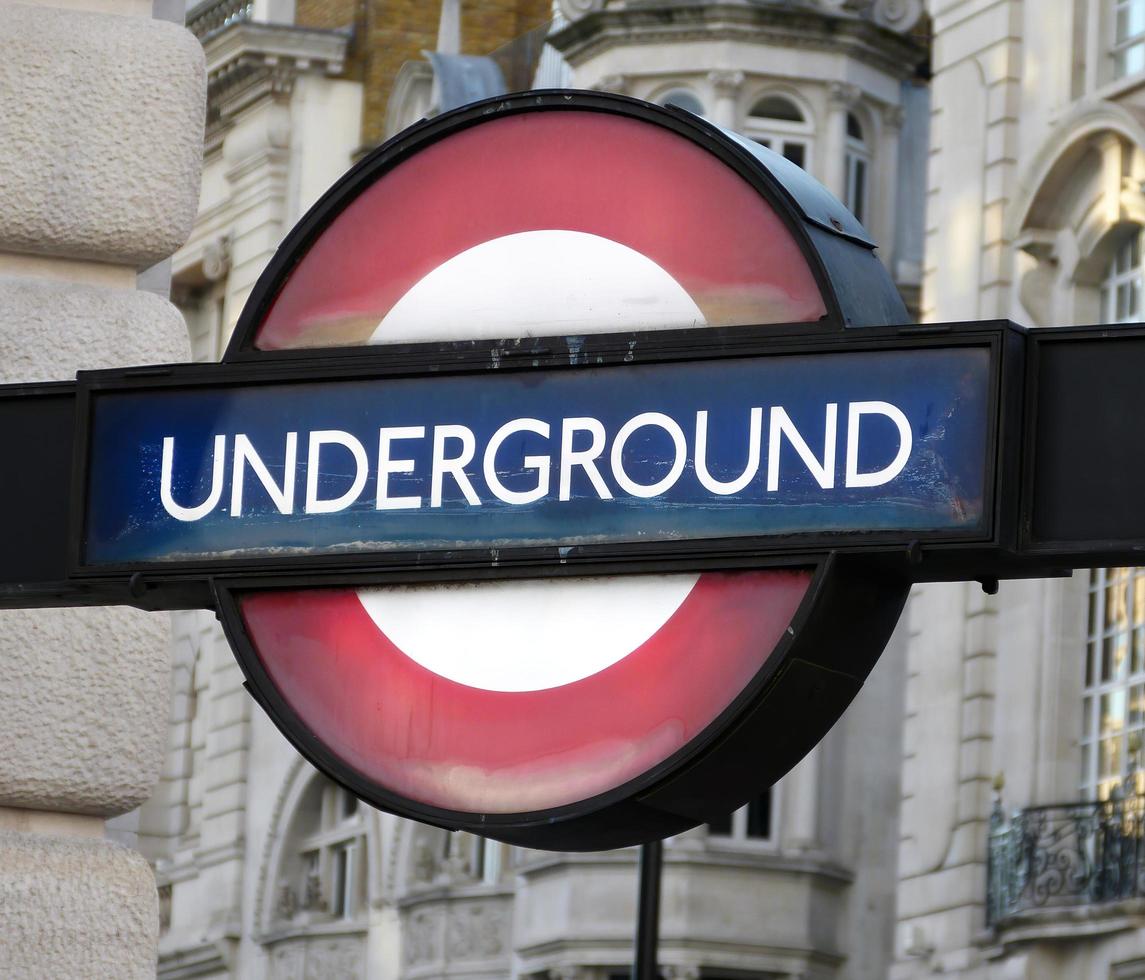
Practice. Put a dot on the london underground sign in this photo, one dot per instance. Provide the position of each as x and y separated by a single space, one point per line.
568 470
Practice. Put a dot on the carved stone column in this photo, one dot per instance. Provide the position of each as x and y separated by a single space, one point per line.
726 85
841 98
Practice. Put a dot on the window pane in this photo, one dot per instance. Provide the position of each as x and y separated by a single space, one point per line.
1113 712
759 816
339 882
1131 60
777 107
349 804
1115 602
860 208
854 127
796 153
684 99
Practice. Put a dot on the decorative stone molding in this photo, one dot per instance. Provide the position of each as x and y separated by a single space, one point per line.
249 61
726 82
893 116
613 83
572 9
568 972
844 95
476 930
267 897
217 258
421 942
681 972
854 33
897 15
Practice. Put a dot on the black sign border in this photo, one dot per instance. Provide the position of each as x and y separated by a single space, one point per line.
615 352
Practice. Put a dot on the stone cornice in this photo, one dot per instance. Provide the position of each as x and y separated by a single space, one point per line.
249 61
678 21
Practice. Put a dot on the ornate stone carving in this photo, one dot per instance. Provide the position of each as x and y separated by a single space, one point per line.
613 83
726 82
217 258
476 930
844 94
573 9
421 941
288 962
893 116
335 959
898 15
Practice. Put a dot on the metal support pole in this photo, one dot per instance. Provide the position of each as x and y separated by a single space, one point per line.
648 912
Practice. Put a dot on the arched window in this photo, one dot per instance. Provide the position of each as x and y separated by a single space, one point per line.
323 872
780 124
858 165
1121 289
683 98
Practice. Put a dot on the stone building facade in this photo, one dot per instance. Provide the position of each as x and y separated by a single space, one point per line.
100 150
994 148
1023 709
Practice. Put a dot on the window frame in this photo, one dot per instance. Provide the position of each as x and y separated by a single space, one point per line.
777 134
857 169
738 838
342 892
1120 47
1109 645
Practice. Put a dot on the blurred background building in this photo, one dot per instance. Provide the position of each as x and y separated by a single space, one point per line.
976 813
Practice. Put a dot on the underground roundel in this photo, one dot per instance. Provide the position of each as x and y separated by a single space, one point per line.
567 712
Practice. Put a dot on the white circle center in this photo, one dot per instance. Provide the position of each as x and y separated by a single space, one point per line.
532 635
529 635
539 283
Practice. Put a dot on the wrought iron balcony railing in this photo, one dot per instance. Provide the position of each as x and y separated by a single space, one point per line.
1065 855
211 16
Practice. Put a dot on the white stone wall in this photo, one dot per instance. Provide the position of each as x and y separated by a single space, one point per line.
1035 155
99 164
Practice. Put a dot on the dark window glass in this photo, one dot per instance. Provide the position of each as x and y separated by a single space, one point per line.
759 816
796 153
777 107
860 189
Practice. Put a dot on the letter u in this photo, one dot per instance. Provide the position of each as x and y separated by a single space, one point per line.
202 510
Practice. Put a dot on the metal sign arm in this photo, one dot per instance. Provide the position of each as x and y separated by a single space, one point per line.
1064 477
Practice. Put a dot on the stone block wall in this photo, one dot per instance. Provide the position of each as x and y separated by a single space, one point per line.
99 172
